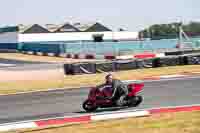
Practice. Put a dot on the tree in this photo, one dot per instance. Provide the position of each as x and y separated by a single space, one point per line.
158 31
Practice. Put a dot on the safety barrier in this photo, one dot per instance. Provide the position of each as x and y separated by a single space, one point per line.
93 56
8 46
119 65
54 51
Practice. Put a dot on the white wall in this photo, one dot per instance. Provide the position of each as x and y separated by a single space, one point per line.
9 37
75 36
124 35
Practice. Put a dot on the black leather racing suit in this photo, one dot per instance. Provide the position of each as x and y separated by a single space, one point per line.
119 91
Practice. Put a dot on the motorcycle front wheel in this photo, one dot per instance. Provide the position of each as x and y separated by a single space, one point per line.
88 106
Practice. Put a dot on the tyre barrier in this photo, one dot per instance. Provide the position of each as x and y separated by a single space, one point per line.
173 53
51 54
57 54
40 53
89 56
182 52
34 52
63 55
107 66
109 57
125 65
45 54
156 62
76 56
79 68
69 56
119 65
93 56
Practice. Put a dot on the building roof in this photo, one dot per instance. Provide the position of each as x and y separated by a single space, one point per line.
83 26
23 27
52 27
35 28
67 27
97 27
91 27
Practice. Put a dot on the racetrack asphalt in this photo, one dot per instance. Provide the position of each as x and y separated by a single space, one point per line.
58 103
17 65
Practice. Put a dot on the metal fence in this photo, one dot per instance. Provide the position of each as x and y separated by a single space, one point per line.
103 48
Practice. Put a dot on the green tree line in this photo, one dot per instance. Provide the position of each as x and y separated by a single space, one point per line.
167 31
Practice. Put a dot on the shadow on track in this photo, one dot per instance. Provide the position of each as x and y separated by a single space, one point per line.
106 110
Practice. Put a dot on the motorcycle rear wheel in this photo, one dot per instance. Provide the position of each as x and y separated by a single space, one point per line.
88 106
135 101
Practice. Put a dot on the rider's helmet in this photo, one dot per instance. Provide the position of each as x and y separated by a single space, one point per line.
109 78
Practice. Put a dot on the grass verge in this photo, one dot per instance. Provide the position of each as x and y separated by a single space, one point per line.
184 122
89 80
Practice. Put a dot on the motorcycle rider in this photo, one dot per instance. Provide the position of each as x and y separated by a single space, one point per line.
118 89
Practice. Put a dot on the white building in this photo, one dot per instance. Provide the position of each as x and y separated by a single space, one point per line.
10 37
76 36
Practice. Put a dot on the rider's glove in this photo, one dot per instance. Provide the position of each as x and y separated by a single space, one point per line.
108 98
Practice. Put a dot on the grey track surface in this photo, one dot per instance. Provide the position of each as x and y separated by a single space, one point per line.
17 65
60 103
17 62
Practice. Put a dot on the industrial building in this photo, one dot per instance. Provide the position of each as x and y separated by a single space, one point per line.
66 27
66 38
72 32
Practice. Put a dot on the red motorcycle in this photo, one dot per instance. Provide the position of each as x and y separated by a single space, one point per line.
97 99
